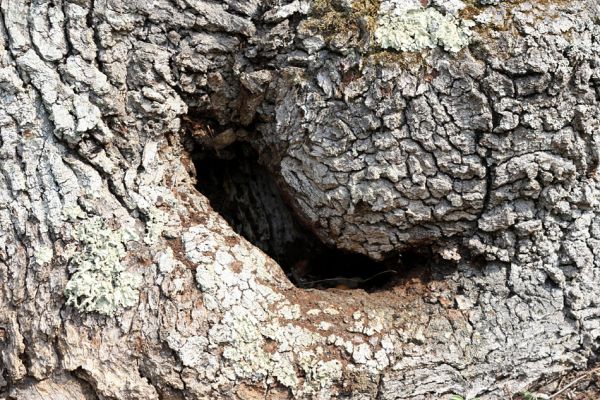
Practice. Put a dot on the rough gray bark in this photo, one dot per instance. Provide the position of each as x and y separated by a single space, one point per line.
488 155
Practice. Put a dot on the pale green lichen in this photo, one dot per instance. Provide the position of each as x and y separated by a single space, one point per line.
99 283
72 212
318 373
157 221
325 373
419 29
43 255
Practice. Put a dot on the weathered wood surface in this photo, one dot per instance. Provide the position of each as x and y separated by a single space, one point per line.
118 281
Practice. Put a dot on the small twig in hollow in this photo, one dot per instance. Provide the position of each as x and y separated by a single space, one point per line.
575 381
356 280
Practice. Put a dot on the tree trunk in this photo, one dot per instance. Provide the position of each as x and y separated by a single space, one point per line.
454 144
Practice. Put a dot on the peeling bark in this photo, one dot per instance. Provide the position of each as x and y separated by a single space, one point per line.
487 156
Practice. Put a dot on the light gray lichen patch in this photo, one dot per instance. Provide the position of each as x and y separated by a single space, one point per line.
407 26
44 254
157 221
99 282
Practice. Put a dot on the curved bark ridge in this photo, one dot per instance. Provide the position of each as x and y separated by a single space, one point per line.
488 152
379 158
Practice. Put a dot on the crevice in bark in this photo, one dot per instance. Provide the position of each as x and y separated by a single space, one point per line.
164 388
248 198
5 381
85 382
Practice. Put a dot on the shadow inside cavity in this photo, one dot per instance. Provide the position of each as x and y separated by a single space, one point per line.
246 195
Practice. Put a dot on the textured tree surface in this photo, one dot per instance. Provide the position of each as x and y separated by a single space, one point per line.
118 280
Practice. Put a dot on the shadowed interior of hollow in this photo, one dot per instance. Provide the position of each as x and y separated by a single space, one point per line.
246 195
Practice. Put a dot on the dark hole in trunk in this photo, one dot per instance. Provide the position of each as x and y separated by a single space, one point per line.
246 195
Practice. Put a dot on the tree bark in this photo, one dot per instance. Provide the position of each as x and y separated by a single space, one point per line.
118 280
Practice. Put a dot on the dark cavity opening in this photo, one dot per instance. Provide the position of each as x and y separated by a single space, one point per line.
247 196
